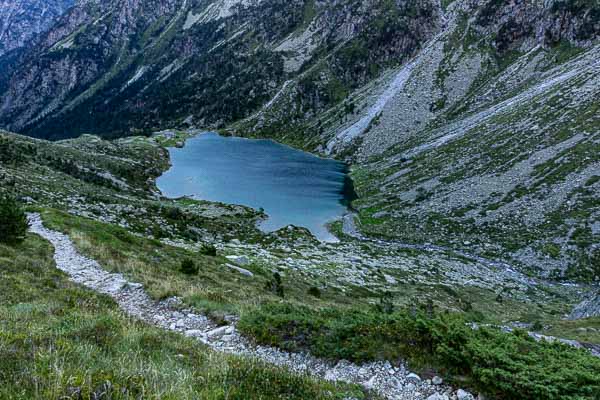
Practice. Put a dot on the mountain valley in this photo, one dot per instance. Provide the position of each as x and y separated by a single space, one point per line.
468 266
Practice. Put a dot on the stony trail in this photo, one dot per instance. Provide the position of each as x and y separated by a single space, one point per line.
390 382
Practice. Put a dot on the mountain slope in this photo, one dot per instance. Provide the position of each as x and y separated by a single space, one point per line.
516 178
22 21
114 66
473 133
471 125
486 141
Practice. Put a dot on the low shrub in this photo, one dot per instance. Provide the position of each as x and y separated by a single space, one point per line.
208 250
188 267
499 364
314 291
275 285
13 221
386 303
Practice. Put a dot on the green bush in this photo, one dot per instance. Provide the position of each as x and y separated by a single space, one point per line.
314 291
208 250
503 365
275 285
188 267
386 303
13 221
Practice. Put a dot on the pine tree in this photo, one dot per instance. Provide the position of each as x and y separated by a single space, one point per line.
13 221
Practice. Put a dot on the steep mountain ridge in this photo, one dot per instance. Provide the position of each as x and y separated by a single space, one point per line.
517 178
477 41
142 65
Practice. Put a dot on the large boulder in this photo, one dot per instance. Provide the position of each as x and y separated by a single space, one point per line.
588 308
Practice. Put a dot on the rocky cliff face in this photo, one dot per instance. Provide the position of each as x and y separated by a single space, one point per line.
22 21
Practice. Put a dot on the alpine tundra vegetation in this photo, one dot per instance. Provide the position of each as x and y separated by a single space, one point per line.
467 263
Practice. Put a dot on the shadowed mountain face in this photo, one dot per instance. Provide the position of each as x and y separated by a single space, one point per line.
22 21
120 67
116 68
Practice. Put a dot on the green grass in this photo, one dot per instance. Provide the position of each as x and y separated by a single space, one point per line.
215 288
502 365
61 341
218 290
179 137
585 330
565 51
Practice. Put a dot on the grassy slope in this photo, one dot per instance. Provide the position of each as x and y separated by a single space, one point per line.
156 265
217 289
324 326
58 340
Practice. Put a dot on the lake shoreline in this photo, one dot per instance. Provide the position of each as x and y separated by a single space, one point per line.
292 186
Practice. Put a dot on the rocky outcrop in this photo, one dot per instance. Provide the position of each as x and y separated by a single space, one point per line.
587 309
525 23
23 21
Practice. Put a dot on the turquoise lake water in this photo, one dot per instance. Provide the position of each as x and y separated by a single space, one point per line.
292 186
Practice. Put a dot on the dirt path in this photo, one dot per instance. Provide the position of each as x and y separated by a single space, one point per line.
390 382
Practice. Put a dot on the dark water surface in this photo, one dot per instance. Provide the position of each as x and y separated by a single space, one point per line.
293 187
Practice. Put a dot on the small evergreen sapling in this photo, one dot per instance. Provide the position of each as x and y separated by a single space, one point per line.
314 291
188 267
208 250
275 285
13 221
386 303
